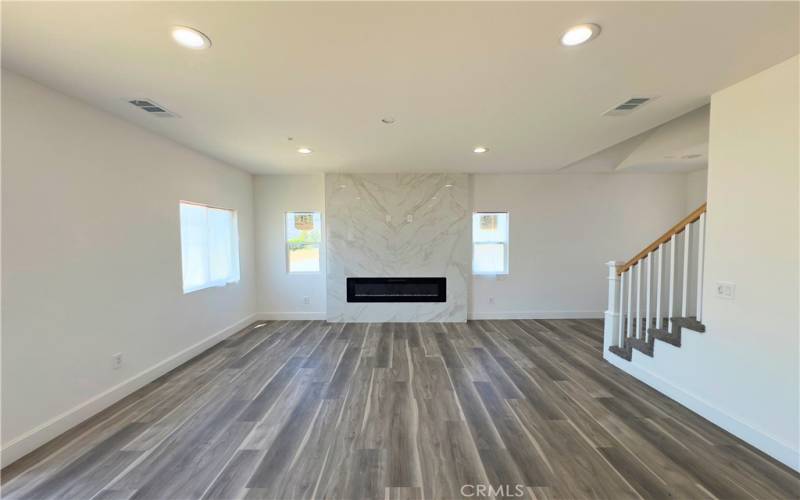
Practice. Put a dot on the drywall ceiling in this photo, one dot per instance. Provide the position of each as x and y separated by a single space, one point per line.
680 145
453 75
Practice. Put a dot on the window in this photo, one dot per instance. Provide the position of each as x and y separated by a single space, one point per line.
209 246
303 236
490 243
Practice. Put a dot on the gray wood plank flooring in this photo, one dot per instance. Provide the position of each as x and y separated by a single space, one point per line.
308 409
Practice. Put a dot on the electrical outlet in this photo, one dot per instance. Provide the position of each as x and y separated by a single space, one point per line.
726 290
388 218
116 361
409 218
306 300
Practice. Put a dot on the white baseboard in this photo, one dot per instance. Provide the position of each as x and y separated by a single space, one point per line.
294 315
22 445
536 315
282 316
769 445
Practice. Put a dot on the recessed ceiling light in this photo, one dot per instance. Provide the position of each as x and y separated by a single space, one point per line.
579 34
480 149
448 185
304 151
190 38
388 120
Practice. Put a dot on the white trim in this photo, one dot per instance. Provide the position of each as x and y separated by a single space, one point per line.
782 452
41 434
506 245
235 277
293 315
537 315
286 242
299 315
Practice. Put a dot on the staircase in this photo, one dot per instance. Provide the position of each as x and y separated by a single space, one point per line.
639 288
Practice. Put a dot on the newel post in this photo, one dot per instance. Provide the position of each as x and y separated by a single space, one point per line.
611 325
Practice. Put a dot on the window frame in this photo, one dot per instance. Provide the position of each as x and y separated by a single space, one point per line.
286 241
506 244
236 277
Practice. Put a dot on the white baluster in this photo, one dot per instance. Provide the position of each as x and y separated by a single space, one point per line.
647 302
660 255
701 237
639 299
672 249
685 288
629 329
621 336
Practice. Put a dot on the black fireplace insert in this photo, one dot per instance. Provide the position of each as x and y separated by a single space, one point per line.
396 289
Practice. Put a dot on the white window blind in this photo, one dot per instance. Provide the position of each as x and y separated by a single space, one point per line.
209 246
490 243
303 237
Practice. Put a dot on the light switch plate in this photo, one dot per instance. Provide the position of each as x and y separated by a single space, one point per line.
409 218
388 218
726 290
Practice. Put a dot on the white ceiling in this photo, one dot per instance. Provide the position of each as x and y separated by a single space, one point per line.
454 75
680 145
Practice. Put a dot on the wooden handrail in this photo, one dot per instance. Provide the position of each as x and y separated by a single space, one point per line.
676 229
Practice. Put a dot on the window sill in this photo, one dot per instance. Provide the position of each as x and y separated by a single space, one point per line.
497 276
211 285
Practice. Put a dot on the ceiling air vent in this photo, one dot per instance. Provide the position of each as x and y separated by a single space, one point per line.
150 106
628 106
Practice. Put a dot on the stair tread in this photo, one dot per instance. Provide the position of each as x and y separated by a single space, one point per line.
623 352
647 346
691 323
643 346
666 336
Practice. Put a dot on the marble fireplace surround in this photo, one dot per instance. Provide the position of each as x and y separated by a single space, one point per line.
397 225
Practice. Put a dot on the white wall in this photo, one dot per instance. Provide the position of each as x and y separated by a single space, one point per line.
743 373
91 260
696 189
563 228
280 294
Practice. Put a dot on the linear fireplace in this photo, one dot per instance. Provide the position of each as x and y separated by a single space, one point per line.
396 289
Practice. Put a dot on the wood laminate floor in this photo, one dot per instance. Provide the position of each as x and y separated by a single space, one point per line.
296 410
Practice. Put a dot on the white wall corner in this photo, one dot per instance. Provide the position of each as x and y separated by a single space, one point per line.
40 435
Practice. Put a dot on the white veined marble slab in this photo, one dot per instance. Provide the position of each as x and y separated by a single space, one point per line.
397 225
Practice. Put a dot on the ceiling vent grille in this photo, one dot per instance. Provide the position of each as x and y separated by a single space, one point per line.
153 108
628 106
